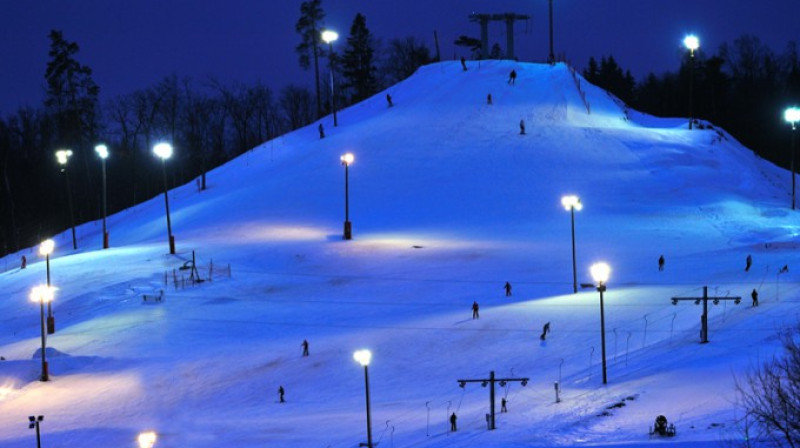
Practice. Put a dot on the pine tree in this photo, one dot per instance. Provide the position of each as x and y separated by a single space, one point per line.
358 61
71 93
309 26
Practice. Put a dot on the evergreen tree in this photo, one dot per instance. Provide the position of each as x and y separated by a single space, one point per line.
358 61
309 26
71 101
472 43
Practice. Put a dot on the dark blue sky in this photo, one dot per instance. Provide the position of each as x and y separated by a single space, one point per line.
133 44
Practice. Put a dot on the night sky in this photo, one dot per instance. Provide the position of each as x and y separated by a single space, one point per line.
134 44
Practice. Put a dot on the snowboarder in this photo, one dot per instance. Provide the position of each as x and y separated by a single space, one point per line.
321 131
754 295
463 63
389 100
489 99
512 77
508 289
24 263
545 330
521 127
503 403
475 310
453 422
661 263
280 394
305 347
748 263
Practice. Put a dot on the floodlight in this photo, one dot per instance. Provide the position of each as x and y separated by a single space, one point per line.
63 155
792 115
329 36
691 42
363 357
46 247
102 151
571 202
600 272
163 150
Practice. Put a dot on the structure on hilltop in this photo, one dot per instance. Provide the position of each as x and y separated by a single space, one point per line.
509 18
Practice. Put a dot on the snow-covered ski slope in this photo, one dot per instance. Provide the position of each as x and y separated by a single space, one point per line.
448 202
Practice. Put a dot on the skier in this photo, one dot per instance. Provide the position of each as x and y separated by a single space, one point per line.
545 330
754 295
475 310
489 99
453 422
512 77
784 269
24 263
508 289
463 63
503 402
389 100
661 263
305 347
748 263
521 127
321 131
280 394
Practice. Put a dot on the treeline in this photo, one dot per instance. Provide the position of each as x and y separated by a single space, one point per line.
207 122
744 87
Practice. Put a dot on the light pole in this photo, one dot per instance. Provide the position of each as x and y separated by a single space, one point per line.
164 151
33 422
573 203
552 58
347 159
42 294
329 36
63 155
792 115
363 357
46 248
102 151
692 43
600 273
147 439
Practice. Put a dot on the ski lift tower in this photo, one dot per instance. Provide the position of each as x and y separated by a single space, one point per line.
509 18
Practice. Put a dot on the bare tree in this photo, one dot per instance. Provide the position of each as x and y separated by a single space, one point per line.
295 102
770 396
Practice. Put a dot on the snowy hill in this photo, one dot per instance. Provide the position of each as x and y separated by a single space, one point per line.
448 202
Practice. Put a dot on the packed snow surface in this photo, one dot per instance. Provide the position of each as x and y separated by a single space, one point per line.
448 201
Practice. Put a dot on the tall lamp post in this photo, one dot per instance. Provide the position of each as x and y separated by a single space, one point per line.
42 294
573 203
102 151
692 43
363 357
33 422
46 248
329 36
600 273
552 58
164 151
63 155
792 115
347 159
